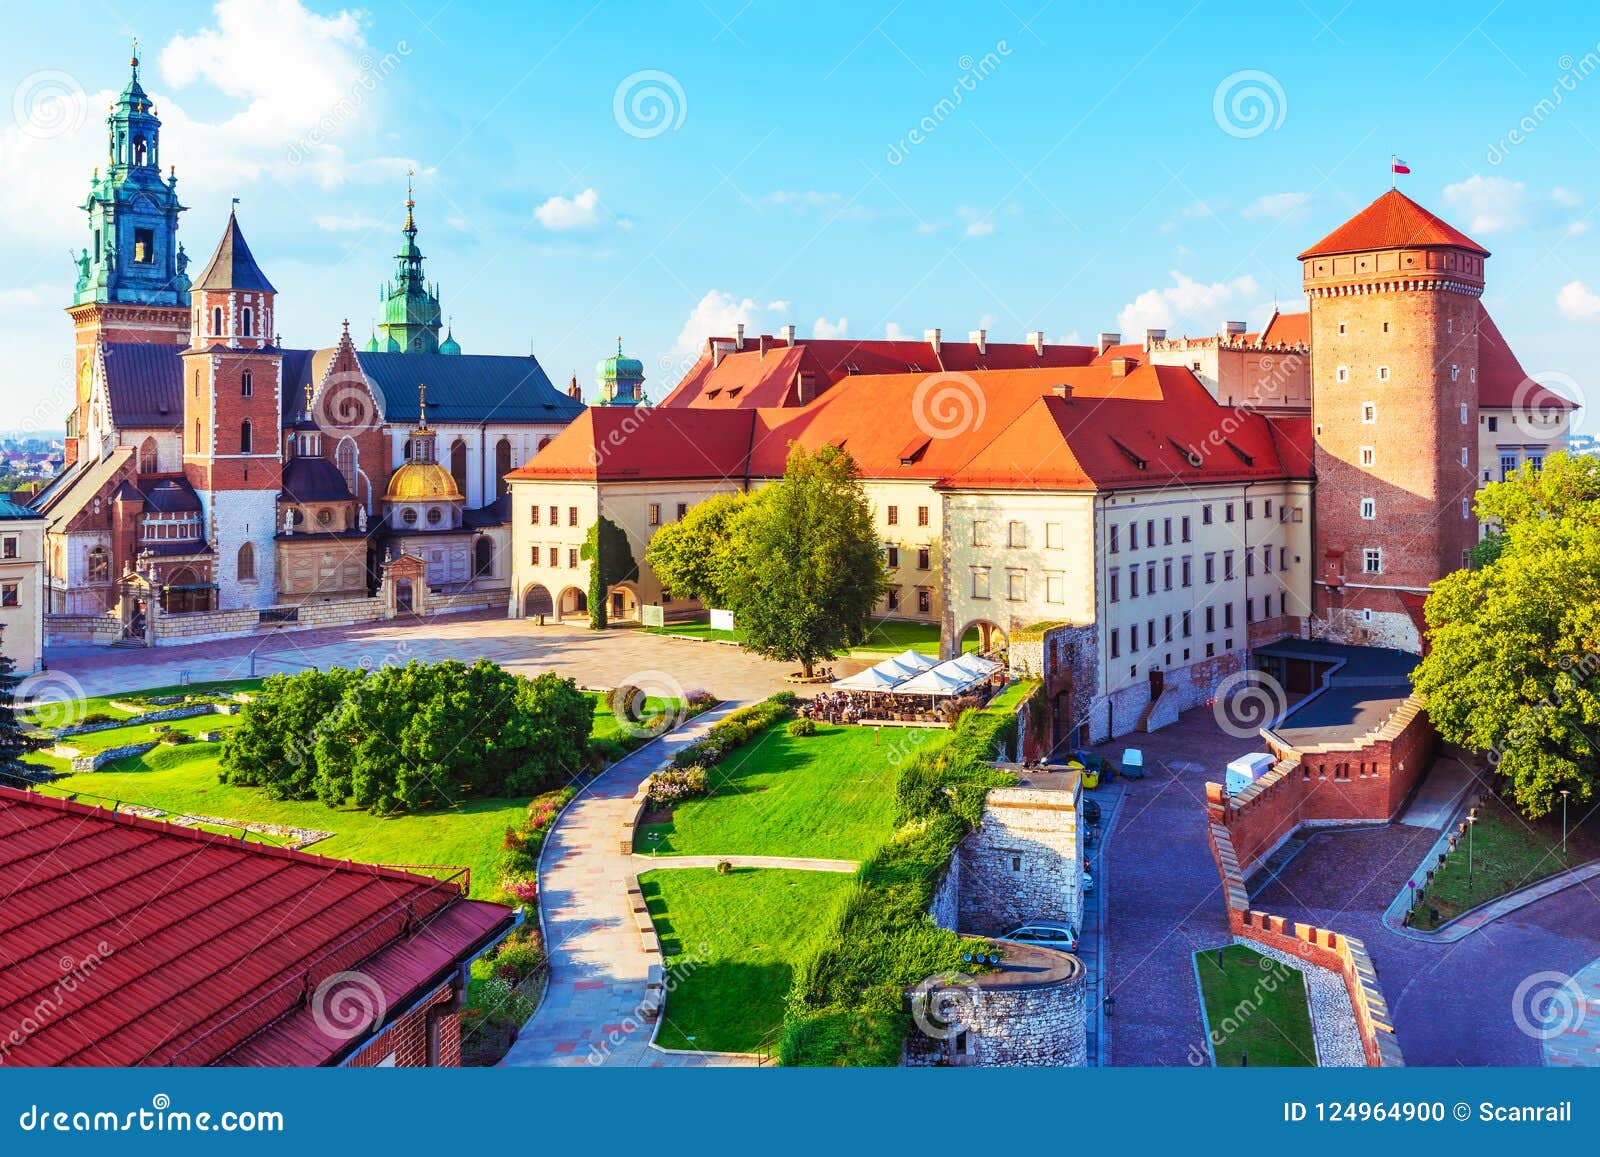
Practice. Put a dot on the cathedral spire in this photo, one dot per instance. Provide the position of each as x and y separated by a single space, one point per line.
411 311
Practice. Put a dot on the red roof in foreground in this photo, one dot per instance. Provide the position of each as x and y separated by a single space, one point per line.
1393 221
181 947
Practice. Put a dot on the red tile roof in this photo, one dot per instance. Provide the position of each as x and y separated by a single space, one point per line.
616 443
1393 221
1287 329
1502 383
190 948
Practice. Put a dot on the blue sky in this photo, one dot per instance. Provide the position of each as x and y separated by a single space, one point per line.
1094 174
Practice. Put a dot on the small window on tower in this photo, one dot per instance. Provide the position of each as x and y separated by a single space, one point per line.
216 319
247 321
245 384
144 246
245 438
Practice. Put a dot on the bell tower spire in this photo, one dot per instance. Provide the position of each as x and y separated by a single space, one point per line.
411 310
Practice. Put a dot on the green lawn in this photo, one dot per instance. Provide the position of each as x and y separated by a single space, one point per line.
1255 1006
887 636
730 944
826 796
1508 852
93 741
101 704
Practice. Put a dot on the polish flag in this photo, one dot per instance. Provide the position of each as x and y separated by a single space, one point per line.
1399 166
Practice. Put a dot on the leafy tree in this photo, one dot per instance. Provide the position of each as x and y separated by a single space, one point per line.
690 555
1514 664
606 548
15 741
804 567
274 746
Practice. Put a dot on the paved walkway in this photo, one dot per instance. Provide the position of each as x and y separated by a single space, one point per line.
1442 791
1573 1039
644 863
594 658
590 1011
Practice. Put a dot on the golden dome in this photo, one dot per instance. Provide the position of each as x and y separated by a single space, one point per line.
422 482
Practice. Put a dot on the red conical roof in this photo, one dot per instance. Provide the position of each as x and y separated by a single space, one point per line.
1393 221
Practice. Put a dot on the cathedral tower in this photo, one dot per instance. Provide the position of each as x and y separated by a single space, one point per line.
1394 362
232 418
411 313
132 275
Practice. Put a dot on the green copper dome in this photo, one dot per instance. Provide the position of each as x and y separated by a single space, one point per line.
621 379
449 345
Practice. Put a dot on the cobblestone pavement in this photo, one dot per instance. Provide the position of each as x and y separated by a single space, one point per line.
594 658
1577 1010
1453 1004
590 1012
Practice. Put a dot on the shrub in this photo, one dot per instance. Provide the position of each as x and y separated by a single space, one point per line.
784 698
520 959
724 867
698 698
175 738
802 727
673 785
605 749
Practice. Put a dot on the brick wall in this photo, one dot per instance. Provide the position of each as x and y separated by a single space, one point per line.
404 1044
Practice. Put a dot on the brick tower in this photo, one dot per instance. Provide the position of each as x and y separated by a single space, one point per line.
232 419
1394 363
132 276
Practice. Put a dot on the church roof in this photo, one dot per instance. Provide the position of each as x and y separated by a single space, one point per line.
145 384
313 480
467 388
232 265
1393 221
11 510
169 495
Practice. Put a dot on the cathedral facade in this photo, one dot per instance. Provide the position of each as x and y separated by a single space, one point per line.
214 468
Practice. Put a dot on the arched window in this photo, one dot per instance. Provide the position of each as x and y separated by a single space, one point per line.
247 321
543 442
245 438
246 382
502 466
458 465
246 568
99 565
197 435
483 557
346 460
216 319
197 383
149 459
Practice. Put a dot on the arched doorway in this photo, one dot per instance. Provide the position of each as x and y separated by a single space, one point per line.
483 557
574 603
403 596
536 602
982 637
623 603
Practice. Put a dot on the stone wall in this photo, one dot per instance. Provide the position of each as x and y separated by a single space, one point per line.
1023 862
203 626
1044 1026
946 906
94 762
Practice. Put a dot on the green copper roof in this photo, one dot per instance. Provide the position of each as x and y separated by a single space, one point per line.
411 313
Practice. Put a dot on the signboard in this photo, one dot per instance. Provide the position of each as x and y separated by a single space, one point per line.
652 615
722 620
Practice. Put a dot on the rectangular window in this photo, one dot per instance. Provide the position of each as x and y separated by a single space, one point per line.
572 516
1227 512
1114 587
894 516
1266 559
572 557
8 546
1249 510
683 508
655 514
1133 536
1343 373
980 533
924 602
1249 564
1166 574
1188 571
1227 565
1508 465
1114 531
1372 560
893 600
144 246
1016 586
1053 537
1205 515
1150 532
1116 644
534 553
555 516
1055 588
1494 424
1211 568
980 582
1368 455
534 520
1369 508
1227 615
922 558
1249 610
1133 583
1016 535
1166 629
1383 373
1133 637
892 557
1187 632
1464 421
1211 619
1464 461
1150 578
1466 508
922 516
246 384
1185 529
1166 532
8 595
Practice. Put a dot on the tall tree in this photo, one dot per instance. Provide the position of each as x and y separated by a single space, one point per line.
689 556
15 740
805 567
1513 668
611 562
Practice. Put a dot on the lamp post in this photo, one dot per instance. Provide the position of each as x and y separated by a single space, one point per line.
1564 793
1472 822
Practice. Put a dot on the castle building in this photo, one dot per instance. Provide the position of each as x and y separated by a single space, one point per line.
213 469
1174 502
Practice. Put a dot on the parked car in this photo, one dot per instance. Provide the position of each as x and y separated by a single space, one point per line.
1045 933
1088 883
1091 811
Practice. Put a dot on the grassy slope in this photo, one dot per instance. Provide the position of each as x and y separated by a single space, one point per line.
731 941
827 796
1274 1027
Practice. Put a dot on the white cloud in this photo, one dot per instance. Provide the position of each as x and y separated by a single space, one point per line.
1576 300
1185 300
1566 198
824 329
803 199
580 212
893 332
1487 204
1278 206
353 223
1579 228
716 314
981 224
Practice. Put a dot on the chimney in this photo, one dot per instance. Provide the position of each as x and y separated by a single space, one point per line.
1233 328
1107 340
1151 336
931 336
788 335
763 345
1036 340
1064 390
717 350
1121 366
738 336
980 338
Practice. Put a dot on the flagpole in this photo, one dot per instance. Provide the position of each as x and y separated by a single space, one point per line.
1394 173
